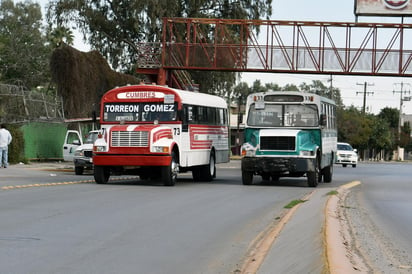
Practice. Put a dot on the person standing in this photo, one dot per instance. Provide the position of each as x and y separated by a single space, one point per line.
5 140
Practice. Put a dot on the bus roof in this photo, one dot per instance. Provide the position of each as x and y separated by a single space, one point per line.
184 97
323 99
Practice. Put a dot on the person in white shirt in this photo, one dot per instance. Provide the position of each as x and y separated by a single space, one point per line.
5 140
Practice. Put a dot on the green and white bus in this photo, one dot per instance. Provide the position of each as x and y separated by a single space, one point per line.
289 134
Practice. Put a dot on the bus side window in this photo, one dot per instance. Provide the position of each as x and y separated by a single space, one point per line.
212 116
221 115
187 117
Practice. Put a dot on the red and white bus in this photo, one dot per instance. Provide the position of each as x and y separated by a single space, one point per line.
156 132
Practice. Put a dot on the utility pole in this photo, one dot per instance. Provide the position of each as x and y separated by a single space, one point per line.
331 87
365 85
401 100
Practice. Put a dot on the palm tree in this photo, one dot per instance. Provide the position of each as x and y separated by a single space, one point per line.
61 35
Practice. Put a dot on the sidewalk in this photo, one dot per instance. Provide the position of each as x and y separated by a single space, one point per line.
14 170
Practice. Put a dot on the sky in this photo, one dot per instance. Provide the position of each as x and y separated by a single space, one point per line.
351 87
380 89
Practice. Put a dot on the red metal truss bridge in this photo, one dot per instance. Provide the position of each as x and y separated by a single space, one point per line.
337 48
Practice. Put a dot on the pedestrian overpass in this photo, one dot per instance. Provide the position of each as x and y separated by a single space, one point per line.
339 48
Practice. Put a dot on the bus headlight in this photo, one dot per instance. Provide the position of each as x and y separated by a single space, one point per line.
160 149
99 148
306 153
248 150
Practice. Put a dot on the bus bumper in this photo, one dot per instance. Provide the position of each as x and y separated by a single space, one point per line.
260 165
132 160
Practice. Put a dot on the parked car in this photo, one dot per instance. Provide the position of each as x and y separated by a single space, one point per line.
83 154
346 155
74 149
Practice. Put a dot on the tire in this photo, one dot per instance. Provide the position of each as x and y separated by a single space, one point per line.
78 170
313 176
197 174
266 177
101 174
353 166
210 169
144 177
344 165
247 177
327 174
275 178
206 173
169 173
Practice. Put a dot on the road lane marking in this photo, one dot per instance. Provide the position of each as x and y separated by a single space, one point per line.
11 187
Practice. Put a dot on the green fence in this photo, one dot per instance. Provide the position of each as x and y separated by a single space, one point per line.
43 140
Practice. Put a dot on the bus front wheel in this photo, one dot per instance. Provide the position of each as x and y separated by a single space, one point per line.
169 173
247 177
101 174
314 176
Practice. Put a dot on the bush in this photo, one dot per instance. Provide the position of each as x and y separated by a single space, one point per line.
16 148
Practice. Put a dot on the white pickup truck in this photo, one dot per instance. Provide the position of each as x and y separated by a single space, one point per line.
74 149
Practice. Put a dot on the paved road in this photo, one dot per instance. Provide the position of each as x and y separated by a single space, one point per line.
127 225
133 226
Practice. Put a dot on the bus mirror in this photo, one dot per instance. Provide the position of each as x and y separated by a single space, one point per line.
323 119
94 116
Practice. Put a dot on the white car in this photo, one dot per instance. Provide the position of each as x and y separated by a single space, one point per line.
346 155
83 154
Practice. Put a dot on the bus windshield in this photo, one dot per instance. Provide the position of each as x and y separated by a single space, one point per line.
283 115
139 112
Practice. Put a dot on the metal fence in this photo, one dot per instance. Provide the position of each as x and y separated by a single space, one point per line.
19 105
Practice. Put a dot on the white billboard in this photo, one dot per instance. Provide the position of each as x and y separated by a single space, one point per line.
383 7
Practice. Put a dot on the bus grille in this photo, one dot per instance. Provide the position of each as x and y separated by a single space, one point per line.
130 138
277 143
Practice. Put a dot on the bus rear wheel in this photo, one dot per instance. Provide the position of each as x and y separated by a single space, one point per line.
207 172
328 173
101 174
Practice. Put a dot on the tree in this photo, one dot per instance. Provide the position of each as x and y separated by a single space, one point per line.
257 87
61 35
82 78
24 53
115 27
290 87
273 86
240 93
381 138
391 116
319 88
353 127
405 139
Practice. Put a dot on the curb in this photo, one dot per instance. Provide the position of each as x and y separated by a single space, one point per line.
337 259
